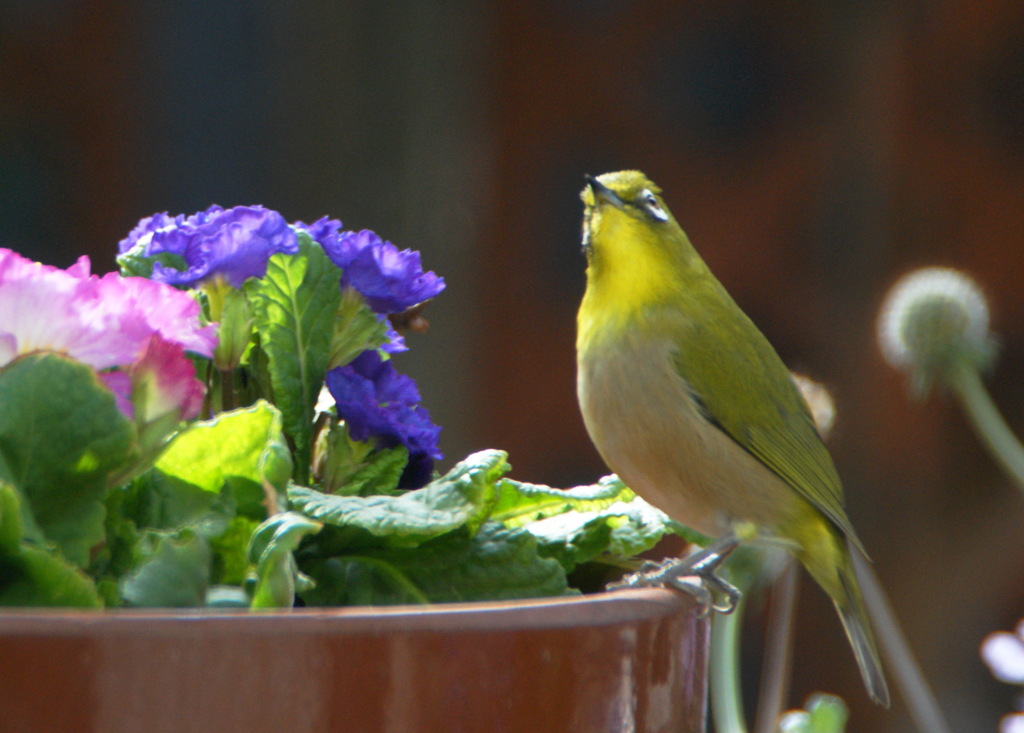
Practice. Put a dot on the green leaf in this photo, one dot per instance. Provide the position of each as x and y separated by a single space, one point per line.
156 500
32 576
379 473
175 574
117 555
637 527
579 524
36 577
823 714
62 439
828 713
495 563
231 551
576 541
294 307
357 468
521 503
234 326
281 533
461 498
11 528
227 451
275 464
195 511
270 550
135 263
622 530
356 329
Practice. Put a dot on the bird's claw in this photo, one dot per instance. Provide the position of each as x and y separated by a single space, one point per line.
695 574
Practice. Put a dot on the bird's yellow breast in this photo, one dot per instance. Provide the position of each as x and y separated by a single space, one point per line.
626 274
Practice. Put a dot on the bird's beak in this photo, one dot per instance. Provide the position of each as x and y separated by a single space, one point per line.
603 193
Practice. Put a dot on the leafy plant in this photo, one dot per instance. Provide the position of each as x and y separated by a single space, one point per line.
222 424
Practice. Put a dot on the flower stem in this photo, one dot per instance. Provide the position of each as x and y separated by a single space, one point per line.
225 380
726 690
920 700
778 653
988 423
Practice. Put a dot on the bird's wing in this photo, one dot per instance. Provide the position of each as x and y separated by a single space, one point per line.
762 410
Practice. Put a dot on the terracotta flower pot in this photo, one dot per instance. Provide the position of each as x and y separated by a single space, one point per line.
624 661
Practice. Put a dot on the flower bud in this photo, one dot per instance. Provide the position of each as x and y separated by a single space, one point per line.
934 322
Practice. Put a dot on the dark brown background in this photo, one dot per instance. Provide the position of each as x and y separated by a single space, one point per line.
813 150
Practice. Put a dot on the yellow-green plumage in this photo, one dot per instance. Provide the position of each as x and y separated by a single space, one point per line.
691 406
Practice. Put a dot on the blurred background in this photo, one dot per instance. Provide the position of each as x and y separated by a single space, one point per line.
814 151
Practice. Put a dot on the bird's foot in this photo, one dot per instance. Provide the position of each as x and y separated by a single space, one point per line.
695 574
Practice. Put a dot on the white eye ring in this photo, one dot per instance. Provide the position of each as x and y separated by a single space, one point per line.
650 202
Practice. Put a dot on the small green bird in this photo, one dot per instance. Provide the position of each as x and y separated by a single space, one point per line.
690 405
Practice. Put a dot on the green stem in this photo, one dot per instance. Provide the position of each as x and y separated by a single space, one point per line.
726 690
920 700
211 401
989 424
778 655
227 386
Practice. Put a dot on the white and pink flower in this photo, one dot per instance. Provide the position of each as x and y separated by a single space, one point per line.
133 325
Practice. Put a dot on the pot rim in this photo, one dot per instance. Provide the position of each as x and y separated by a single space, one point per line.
597 609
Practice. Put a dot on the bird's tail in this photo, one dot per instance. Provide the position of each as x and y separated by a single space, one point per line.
854 615
831 565
825 552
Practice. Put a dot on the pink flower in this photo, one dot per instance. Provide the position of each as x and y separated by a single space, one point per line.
163 382
133 325
104 322
121 385
149 307
46 308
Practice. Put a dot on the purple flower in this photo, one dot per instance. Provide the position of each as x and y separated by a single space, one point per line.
323 231
396 342
390 279
234 244
375 401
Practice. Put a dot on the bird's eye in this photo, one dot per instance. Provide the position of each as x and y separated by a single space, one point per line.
650 203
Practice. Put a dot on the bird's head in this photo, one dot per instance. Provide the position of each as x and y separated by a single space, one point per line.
622 205
636 251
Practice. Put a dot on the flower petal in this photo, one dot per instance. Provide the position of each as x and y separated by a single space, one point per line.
104 322
234 244
1003 652
377 402
164 381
